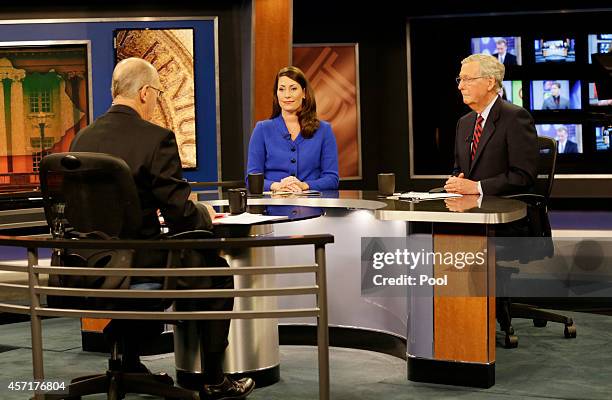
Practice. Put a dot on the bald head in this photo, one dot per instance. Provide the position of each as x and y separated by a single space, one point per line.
130 75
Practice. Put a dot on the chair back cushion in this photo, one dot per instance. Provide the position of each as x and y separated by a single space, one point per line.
546 166
90 192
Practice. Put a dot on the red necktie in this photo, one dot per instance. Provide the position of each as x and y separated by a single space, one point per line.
477 133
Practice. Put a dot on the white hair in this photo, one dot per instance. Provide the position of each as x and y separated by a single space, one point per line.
489 66
130 75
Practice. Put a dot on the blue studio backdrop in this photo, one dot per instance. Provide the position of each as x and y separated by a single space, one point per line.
100 34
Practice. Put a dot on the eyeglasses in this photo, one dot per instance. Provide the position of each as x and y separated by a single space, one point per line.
159 91
467 80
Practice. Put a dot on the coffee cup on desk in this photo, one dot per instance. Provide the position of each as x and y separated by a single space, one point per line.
256 183
386 184
237 199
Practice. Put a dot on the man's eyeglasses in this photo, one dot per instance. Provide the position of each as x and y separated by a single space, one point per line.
460 79
159 91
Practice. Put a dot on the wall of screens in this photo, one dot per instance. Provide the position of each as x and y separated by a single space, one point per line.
549 71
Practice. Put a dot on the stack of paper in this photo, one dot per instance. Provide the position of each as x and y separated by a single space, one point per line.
246 219
427 195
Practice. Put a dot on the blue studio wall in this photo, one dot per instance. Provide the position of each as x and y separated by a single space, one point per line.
100 33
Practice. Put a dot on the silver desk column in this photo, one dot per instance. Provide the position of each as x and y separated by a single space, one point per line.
253 343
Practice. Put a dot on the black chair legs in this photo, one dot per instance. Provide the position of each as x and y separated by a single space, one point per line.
117 384
541 317
504 317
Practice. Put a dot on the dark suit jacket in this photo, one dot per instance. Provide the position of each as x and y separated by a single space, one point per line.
509 59
152 155
507 156
549 104
570 147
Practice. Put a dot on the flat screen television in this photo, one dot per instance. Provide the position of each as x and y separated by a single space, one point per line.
568 136
555 95
506 48
512 91
594 97
602 137
554 50
603 80
599 43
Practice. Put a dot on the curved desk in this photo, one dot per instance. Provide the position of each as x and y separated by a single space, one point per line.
450 339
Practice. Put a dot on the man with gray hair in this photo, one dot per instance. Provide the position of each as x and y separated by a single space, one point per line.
496 146
151 152
502 55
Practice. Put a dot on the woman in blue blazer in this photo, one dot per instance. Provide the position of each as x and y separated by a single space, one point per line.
294 149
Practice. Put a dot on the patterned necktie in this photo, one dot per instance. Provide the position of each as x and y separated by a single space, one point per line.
477 133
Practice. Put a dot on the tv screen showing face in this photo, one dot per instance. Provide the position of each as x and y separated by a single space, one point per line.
512 91
568 136
594 98
558 50
602 137
600 43
507 49
555 95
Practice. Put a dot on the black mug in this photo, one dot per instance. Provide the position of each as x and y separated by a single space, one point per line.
386 184
256 183
237 200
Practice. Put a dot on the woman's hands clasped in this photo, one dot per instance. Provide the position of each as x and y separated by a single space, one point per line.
289 184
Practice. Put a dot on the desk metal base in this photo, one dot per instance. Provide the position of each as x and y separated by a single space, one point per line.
451 372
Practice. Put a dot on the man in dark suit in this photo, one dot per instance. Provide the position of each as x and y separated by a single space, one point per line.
502 55
555 101
496 146
496 153
151 152
564 145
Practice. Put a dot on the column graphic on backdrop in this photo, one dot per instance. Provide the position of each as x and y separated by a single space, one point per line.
43 103
333 72
171 52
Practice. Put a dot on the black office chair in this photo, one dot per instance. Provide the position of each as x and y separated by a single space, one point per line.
539 226
93 195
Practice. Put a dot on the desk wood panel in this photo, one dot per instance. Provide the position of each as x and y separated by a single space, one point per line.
464 324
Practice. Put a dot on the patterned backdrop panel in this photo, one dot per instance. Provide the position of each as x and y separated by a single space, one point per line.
171 52
333 73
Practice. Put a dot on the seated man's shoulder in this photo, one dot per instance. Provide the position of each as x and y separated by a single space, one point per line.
153 129
513 109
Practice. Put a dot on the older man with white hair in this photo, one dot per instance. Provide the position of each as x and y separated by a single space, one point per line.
151 152
496 146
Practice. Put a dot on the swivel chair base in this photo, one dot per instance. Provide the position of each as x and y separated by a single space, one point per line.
507 310
541 317
117 383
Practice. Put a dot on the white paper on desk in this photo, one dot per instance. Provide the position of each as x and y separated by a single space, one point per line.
288 193
247 219
427 195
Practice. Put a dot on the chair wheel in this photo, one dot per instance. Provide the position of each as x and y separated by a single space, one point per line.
511 342
569 331
539 323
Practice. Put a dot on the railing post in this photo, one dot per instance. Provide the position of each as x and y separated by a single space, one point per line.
35 321
322 324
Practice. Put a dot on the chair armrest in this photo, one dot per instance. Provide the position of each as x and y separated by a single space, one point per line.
529 198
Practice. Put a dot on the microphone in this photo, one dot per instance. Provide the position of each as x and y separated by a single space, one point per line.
470 138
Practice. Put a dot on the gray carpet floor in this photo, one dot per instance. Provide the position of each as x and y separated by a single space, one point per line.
544 366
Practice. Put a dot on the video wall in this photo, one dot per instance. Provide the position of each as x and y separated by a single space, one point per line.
550 71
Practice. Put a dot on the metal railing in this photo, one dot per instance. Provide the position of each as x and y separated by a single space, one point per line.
37 309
